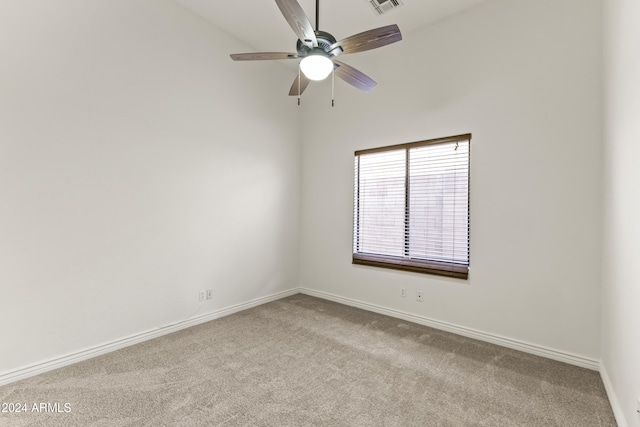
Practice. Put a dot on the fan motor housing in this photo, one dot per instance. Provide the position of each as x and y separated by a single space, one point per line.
325 40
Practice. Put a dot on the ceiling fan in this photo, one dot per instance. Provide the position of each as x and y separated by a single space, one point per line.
318 50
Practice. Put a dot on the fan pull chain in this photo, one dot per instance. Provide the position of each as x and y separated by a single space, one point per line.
298 85
333 86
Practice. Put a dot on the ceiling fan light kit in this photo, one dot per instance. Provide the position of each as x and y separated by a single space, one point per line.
317 50
316 66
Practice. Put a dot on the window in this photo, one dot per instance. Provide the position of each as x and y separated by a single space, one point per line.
411 206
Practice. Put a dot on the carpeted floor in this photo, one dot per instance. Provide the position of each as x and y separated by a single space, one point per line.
302 361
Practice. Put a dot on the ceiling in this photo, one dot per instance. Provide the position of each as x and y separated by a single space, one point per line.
259 23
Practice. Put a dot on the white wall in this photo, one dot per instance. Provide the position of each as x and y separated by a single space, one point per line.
621 285
138 165
524 77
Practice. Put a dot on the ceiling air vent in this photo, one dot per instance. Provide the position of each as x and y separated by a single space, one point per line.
381 7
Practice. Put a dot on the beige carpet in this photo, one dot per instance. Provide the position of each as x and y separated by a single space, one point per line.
302 361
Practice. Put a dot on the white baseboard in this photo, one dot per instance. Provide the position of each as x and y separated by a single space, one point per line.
549 353
49 365
35 369
613 398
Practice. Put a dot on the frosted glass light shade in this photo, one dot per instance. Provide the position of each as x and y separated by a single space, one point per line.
316 67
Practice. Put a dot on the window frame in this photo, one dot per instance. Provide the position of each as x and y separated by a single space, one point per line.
435 267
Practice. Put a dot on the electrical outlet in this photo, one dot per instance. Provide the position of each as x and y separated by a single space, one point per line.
209 293
201 296
419 296
403 292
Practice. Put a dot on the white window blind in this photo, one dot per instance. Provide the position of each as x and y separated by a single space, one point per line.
411 206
